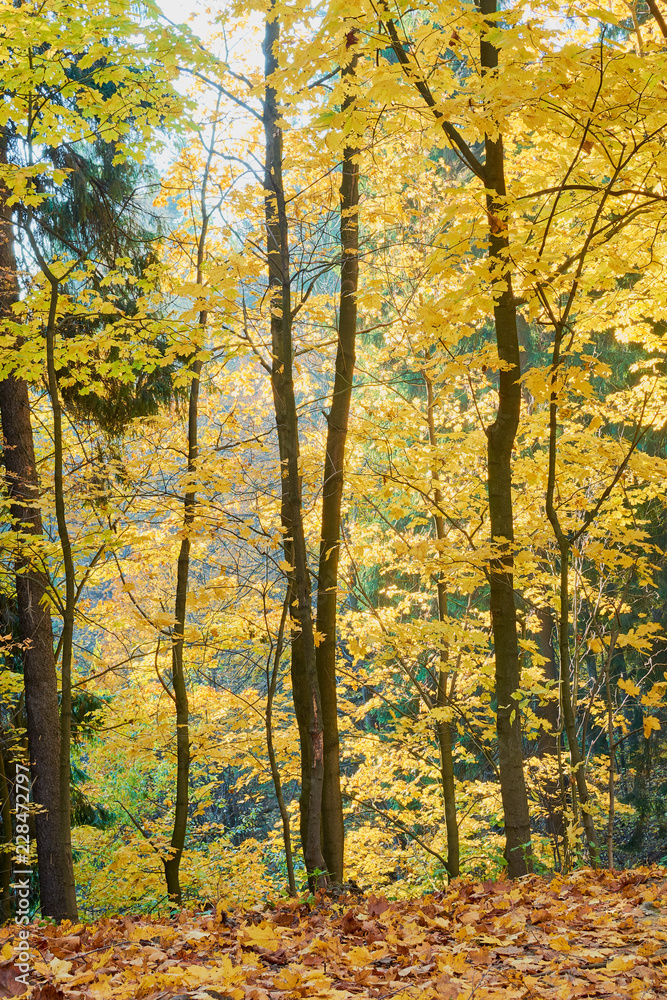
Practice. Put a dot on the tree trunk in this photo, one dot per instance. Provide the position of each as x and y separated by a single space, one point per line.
548 740
333 834
180 696
307 701
612 765
180 691
67 638
658 15
271 682
577 763
501 435
443 727
39 669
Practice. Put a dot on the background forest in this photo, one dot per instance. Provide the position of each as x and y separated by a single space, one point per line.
333 402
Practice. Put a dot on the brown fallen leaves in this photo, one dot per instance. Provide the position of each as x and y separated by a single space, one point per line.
585 935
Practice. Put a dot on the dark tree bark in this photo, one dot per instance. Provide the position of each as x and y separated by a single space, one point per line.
548 739
658 15
39 668
333 833
549 712
179 686
306 689
70 603
500 436
272 669
577 762
443 696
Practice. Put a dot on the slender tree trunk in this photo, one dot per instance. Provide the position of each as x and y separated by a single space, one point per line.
501 435
67 638
443 699
302 706
172 864
307 700
333 834
444 727
612 748
179 686
569 720
576 760
272 680
548 740
658 15
39 669
180 691
549 712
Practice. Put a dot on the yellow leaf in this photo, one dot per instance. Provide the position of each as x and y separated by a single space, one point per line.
263 934
60 968
103 959
289 979
629 686
655 695
621 963
602 15
650 722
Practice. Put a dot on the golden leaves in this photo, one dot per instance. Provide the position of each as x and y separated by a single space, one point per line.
629 686
568 936
650 724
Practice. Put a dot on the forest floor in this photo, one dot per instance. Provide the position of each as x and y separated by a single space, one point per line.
590 934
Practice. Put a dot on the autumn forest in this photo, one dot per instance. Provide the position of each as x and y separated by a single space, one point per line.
333 395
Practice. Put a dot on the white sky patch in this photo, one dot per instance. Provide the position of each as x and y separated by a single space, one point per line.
189 12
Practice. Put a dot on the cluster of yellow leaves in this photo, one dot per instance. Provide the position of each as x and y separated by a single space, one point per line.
654 698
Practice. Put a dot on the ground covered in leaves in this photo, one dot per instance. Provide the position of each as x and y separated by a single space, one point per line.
584 935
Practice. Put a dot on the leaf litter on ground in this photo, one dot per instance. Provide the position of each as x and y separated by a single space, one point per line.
588 934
